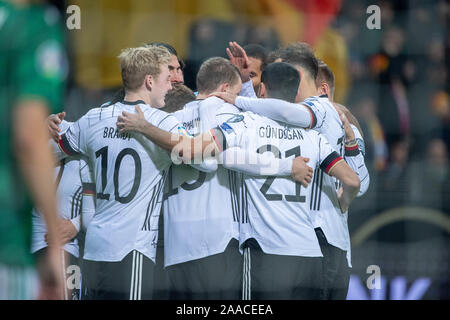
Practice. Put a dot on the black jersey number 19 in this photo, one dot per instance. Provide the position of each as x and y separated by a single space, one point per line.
103 154
266 186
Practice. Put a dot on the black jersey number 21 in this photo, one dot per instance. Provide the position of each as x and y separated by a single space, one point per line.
266 186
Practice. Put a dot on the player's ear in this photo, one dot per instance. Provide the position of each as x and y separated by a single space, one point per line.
224 87
148 82
262 90
324 88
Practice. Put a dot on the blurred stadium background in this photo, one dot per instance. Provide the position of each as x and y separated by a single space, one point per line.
395 80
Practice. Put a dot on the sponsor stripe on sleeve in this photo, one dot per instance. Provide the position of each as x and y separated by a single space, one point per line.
65 146
330 161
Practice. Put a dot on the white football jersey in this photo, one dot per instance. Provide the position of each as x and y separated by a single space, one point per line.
129 173
201 211
69 192
325 119
277 212
324 202
69 195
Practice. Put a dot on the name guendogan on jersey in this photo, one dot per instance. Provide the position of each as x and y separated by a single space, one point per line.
277 133
113 133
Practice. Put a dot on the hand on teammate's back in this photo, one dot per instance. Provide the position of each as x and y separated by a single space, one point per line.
226 96
301 172
131 121
53 122
239 58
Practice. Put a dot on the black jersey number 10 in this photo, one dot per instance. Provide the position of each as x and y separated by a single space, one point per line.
103 154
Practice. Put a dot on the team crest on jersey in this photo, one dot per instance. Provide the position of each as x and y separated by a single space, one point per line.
308 103
224 126
236 118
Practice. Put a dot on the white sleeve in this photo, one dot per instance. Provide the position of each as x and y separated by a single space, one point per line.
328 158
88 201
64 125
76 222
165 121
73 142
229 135
208 165
292 113
56 150
248 90
354 155
256 164
317 110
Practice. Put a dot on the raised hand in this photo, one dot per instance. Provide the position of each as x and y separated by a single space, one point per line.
239 58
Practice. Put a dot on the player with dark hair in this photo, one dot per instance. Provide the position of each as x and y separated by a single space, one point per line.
283 230
176 64
177 98
206 265
257 56
279 81
320 114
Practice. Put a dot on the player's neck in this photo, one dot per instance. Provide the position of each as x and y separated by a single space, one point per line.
201 96
135 96
309 90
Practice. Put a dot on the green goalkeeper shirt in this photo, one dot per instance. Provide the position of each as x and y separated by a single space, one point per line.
32 65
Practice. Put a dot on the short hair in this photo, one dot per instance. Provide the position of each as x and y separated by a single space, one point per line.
273 55
281 81
257 51
177 97
171 50
325 75
301 54
214 72
164 45
136 63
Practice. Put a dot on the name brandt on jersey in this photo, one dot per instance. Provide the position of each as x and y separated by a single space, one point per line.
113 133
277 133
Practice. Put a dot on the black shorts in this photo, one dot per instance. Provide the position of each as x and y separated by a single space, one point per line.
217 277
280 277
129 279
336 269
71 270
162 286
